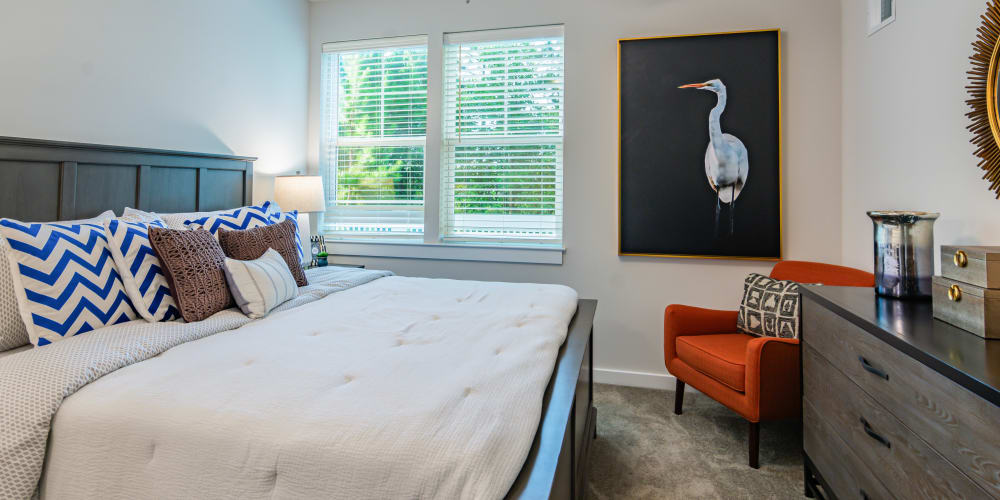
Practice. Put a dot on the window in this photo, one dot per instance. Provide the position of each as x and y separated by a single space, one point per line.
880 14
373 136
502 153
497 165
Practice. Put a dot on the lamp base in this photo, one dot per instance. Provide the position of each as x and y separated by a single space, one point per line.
305 233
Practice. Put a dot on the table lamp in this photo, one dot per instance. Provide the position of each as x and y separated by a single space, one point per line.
303 193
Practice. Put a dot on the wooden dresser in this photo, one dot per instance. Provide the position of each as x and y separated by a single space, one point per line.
895 403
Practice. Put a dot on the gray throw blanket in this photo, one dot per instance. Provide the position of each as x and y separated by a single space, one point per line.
34 383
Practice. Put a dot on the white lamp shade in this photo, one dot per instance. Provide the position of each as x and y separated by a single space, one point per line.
300 192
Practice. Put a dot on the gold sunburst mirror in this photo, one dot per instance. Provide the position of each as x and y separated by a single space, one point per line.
982 87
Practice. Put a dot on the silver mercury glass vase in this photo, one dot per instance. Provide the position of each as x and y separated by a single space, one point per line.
904 253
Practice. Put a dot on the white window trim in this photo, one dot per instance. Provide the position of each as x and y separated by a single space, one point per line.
433 247
503 34
874 15
415 249
375 43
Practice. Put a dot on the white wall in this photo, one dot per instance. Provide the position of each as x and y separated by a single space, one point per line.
218 76
905 145
633 291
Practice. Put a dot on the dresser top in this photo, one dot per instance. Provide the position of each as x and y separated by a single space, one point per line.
909 325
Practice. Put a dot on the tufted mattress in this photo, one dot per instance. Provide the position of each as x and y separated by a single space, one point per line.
398 388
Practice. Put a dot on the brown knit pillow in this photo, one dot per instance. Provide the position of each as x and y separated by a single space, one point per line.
193 264
251 244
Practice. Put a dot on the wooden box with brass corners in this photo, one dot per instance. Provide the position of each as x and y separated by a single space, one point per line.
975 265
967 306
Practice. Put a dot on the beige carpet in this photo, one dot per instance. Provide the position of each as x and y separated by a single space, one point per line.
645 451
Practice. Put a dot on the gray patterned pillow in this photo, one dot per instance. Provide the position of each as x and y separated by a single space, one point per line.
770 307
12 331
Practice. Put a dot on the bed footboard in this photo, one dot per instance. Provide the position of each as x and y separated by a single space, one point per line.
558 463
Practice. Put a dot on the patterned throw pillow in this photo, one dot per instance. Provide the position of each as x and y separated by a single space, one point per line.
235 220
141 270
65 279
193 264
261 284
12 331
279 217
176 220
770 307
252 243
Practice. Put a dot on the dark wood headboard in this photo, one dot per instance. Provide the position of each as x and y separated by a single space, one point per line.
51 180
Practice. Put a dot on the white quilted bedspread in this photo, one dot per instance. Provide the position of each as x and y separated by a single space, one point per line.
400 388
34 382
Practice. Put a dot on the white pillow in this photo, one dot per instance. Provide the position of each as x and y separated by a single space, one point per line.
12 330
140 269
261 284
65 279
135 215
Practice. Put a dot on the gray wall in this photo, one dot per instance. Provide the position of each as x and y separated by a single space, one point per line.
905 145
217 76
633 291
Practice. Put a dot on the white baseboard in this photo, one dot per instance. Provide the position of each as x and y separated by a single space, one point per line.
646 380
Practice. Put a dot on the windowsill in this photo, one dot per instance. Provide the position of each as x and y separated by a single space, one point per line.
482 252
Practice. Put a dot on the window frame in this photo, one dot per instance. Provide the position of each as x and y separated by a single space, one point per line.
328 121
520 142
433 244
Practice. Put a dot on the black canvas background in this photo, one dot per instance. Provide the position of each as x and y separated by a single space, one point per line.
667 205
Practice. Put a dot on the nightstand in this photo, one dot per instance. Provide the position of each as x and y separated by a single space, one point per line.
356 266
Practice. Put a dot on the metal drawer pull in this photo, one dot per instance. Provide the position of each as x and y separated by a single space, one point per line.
955 293
960 259
871 369
874 435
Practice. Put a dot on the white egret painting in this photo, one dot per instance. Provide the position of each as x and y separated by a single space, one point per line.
727 162
696 112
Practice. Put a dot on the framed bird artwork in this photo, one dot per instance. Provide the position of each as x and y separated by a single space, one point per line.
699 164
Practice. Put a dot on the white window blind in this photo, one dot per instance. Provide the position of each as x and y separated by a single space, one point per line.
502 156
373 136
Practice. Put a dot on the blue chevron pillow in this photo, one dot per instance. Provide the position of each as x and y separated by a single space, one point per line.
278 217
140 269
65 279
236 220
247 218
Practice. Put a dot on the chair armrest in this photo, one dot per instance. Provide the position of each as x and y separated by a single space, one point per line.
681 320
773 381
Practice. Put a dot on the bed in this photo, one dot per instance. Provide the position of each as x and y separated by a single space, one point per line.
411 387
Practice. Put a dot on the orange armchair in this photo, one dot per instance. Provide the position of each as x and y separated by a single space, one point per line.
757 377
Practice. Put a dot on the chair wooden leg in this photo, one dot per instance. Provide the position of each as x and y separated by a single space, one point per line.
754 440
678 398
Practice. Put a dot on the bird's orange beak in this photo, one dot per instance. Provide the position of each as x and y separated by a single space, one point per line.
693 86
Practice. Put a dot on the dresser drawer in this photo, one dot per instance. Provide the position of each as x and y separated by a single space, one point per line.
960 425
841 468
904 463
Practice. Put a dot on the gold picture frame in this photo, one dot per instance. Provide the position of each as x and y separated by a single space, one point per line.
780 151
982 89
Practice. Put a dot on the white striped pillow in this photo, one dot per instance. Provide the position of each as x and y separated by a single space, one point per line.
261 284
